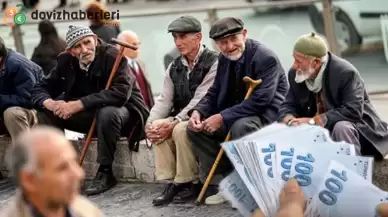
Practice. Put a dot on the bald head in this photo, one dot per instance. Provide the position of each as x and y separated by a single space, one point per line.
128 36
131 38
45 166
29 147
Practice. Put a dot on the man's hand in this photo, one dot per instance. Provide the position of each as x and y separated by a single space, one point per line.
66 110
292 202
52 105
165 131
213 123
157 133
195 124
382 209
151 132
298 121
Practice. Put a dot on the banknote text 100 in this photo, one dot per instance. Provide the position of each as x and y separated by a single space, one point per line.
268 159
304 169
237 193
286 163
334 186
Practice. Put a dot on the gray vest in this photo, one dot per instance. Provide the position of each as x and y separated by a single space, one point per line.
184 89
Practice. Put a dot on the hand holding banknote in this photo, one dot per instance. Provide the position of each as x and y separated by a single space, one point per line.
292 203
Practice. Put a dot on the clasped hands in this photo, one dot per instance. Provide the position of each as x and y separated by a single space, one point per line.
62 109
210 125
159 131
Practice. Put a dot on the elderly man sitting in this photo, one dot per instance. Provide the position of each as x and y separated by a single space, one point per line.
73 94
327 90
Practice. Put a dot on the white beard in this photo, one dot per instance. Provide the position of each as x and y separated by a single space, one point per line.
303 76
300 78
237 56
234 58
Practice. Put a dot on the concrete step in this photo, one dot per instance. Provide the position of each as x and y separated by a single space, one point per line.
140 166
127 166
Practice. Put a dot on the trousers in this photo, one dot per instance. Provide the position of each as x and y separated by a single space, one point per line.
174 158
18 119
206 146
110 122
346 131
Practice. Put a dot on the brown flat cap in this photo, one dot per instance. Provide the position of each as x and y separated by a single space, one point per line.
225 27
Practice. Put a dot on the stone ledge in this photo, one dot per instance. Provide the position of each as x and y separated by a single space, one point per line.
127 166
139 166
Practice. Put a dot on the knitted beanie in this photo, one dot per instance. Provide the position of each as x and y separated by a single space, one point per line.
311 45
76 33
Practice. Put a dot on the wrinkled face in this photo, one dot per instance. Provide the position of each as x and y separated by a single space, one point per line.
58 177
187 43
85 49
233 47
306 67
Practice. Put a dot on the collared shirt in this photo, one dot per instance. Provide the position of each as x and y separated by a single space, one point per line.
133 64
164 103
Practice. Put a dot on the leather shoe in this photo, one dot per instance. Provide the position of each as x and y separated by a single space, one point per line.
188 194
100 184
168 194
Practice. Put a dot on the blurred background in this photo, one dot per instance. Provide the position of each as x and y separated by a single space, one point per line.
359 28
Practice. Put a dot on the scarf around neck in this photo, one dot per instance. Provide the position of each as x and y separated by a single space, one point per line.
315 85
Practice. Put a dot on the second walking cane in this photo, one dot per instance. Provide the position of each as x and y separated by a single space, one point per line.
252 85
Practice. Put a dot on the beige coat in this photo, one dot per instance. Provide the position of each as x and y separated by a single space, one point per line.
81 207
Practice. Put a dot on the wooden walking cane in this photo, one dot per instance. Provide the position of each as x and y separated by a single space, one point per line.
112 74
252 85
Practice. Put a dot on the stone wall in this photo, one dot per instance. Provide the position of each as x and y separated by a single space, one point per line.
128 166
139 166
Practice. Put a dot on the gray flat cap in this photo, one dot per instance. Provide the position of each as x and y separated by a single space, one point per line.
225 27
185 24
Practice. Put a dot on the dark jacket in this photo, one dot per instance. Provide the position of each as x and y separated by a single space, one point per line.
17 81
46 56
345 99
123 91
259 63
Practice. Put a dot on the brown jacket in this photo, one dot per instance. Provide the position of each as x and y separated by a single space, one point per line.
81 207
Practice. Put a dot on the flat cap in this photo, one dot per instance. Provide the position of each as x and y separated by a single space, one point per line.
311 45
225 27
185 24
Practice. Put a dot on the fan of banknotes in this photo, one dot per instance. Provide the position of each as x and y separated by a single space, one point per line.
335 182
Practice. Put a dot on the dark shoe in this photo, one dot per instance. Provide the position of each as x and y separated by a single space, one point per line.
103 182
168 194
188 194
